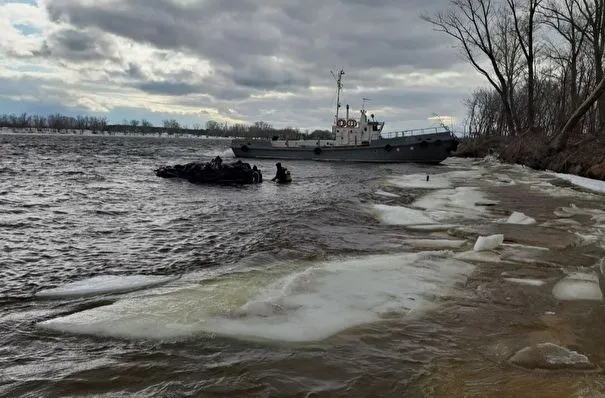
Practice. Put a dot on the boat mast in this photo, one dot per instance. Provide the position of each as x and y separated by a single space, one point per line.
339 87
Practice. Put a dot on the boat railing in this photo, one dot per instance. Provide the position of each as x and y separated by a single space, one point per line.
412 132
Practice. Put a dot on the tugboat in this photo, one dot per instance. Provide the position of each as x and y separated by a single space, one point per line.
357 140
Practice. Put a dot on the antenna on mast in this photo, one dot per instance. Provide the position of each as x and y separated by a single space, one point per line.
441 122
338 78
363 102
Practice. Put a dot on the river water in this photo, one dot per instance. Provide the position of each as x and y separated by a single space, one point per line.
355 280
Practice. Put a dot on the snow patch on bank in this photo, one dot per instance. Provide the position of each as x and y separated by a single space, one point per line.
588 183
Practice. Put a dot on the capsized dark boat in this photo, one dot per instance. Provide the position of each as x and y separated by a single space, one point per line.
213 172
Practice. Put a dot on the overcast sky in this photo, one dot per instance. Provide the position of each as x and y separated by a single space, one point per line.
234 61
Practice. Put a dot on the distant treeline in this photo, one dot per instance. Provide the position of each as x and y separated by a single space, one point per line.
62 123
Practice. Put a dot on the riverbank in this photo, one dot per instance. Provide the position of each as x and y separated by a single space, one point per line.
584 156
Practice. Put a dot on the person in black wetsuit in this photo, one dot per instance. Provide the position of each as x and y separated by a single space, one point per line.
256 174
280 176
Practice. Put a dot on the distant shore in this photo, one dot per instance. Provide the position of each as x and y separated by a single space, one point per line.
582 156
76 132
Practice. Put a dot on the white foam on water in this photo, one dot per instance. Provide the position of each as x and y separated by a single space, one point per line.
436 181
520 218
524 281
578 286
301 304
499 179
400 215
386 194
488 242
105 284
587 239
436 243
448 204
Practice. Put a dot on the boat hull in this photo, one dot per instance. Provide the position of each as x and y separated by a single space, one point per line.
426 148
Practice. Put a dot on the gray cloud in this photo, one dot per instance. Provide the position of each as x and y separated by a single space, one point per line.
280 45
233 34
168 88
77 45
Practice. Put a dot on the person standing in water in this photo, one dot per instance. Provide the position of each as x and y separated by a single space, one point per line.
282 175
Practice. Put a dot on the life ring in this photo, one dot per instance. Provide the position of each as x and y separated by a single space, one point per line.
388 147
341 123
351 123
317 151
245 148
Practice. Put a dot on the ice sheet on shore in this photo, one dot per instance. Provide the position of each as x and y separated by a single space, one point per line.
296 303
436 181
105 284
448 204
588 183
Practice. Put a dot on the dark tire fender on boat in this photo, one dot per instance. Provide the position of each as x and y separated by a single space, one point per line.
245 148
388 147
317 151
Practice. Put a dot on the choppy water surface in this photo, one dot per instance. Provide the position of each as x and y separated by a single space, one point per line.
355 280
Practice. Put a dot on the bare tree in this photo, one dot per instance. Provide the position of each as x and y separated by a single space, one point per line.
524 21
483 30
562 16
593 16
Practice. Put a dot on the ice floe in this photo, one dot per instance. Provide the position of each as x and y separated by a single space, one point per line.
578 286
401 215
450 204
386 194
482 256
552 357
299 304
431 227
521 246
488 242
520 218
105 284
436 243
573 210
526 281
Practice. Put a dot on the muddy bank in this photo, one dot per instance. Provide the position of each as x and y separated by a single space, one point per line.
582 156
